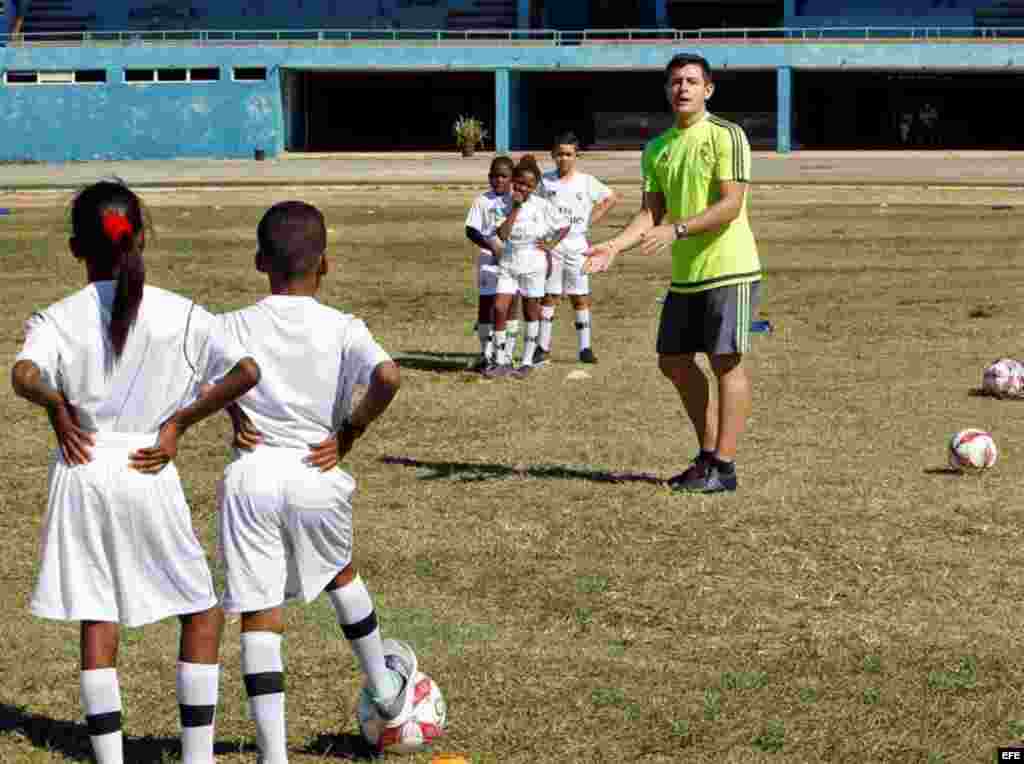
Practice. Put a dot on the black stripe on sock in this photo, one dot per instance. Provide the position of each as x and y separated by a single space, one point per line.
362 628
265 683
103 724
582 324
196 716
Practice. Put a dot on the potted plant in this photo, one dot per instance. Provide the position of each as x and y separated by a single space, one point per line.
469 133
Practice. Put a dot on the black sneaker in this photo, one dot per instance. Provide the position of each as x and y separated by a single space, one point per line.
481 363
713 480
587 356
540 356
693 475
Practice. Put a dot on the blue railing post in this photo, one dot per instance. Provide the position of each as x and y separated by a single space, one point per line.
784 104
502 110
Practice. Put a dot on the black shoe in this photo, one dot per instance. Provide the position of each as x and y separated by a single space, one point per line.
587 356
481 363
713 480
692 476
540 356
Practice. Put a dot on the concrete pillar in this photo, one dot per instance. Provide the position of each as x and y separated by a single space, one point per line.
523 14
505 110
509 120
661 13
784 104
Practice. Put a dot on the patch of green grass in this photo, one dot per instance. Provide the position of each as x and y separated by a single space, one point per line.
772 738
1016 728
681 729
417 626
964 678
872 696
583 616
872 664
936 758
712 703
632 712
424 567
617 648
744 680
592 584
808 695
608 696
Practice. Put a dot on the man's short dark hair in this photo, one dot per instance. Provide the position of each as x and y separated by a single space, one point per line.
292 237
685 59
566 139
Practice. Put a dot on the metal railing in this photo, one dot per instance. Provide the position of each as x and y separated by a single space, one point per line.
541 37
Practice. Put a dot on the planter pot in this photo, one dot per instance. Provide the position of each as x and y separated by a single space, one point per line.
468 151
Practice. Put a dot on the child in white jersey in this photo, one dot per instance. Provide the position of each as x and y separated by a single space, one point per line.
585 201
531 228
482 223
114 365
286 513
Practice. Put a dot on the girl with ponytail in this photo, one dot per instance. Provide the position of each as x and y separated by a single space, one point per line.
117 365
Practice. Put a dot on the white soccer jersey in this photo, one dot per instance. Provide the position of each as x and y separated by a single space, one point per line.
575 198
537 219
173 347
117 545
486 214
310 356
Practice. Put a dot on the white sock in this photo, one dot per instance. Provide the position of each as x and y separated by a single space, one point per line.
101 702
197 702
358 621
501 354
547 321
583 328
263 673
485 332
532 330
512 329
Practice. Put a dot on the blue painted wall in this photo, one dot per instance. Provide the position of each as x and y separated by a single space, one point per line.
128 121
231 119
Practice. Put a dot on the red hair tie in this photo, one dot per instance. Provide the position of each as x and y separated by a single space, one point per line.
116 225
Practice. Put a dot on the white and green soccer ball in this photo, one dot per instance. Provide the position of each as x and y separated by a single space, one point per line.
972 450
417 733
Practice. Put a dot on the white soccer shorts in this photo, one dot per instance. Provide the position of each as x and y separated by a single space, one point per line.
285 528
530 285
567 278
117 545
487 275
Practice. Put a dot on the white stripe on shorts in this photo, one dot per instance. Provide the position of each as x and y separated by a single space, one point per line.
743 317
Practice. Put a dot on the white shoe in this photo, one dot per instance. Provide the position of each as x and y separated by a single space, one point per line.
400 658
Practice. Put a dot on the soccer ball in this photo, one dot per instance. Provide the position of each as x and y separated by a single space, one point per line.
972 450
427 723
1003 378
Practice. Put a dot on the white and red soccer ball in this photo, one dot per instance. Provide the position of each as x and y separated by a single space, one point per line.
972 450
425 725
1004 378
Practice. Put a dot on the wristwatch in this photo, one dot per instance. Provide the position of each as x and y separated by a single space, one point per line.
681 230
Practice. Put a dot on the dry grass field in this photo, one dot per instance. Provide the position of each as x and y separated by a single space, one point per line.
853 602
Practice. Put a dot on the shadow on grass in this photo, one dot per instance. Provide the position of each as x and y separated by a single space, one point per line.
978 392
475 472
343 746
71 739
948 471
428 361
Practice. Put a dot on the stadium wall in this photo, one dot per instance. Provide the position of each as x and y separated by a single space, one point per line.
232 119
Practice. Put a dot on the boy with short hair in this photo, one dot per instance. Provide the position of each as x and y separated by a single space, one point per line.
285 512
